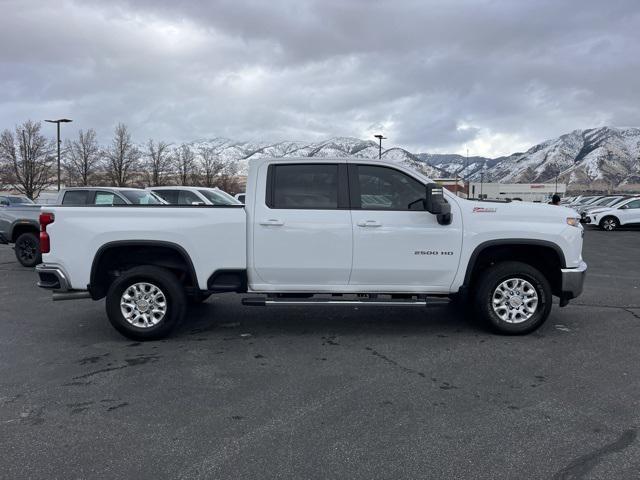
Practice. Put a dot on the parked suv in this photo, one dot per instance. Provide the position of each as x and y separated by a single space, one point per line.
610 218
604 202
107 196
194 196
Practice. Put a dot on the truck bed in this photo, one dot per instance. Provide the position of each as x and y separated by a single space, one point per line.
214 236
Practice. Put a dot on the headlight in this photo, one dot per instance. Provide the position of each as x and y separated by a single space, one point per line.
573 221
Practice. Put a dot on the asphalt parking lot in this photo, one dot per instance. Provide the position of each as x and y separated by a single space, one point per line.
329 392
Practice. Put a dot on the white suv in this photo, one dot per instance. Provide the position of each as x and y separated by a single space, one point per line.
194 196
622 213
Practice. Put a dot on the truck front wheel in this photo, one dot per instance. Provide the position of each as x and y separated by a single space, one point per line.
513 297
146 303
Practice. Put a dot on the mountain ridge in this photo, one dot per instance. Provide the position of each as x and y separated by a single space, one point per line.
595 158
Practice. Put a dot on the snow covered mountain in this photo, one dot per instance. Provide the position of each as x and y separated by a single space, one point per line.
242 153
597 159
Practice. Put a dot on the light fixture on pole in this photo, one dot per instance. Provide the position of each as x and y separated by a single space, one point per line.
380 137
58 122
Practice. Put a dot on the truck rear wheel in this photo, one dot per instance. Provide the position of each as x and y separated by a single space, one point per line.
146 303
27 249
513 297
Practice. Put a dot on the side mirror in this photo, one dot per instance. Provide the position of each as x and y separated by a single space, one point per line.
437 205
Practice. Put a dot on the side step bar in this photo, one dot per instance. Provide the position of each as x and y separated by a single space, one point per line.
262 302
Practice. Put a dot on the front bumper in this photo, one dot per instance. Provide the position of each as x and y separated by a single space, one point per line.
52 277
572 282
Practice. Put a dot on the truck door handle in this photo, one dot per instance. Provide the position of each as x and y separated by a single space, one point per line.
272 222
369 223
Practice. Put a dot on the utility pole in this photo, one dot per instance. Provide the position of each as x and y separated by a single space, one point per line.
481 182
58 122
380 137
466 176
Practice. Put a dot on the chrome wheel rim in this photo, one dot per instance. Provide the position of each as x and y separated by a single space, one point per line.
609 224
143 305
515 300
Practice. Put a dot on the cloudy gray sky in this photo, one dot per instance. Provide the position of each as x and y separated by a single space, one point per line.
494 76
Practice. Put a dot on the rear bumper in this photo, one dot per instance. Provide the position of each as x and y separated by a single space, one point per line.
52 277
3 239
573 281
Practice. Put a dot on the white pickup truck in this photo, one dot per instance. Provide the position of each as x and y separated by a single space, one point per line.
316 231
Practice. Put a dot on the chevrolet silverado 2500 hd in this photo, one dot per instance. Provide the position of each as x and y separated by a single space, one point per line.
315 231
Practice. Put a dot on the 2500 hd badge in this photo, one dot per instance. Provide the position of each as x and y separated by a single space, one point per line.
431 252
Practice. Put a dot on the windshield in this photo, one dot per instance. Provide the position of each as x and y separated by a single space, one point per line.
217 198
610 201
141 197
602 201
13 200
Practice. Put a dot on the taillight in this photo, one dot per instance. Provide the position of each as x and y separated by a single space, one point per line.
46 218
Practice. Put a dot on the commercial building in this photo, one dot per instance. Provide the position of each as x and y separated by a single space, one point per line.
527 192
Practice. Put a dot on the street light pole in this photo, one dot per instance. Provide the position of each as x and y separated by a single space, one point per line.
466 176
58 122
380 137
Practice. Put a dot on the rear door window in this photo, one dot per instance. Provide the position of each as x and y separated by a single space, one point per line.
169 196
311 186
186 197
75 197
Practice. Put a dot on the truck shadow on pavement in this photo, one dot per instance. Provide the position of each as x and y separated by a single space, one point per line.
438 319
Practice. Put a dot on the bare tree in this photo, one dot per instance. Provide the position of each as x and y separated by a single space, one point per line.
82 157
159 163
210 166
186 164
228 179
122 157
27 159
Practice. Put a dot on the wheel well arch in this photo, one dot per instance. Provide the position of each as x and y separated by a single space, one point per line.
540 254
21 228
115 257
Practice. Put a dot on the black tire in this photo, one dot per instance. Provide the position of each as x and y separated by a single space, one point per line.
174 302
489 282
27 249
609 224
